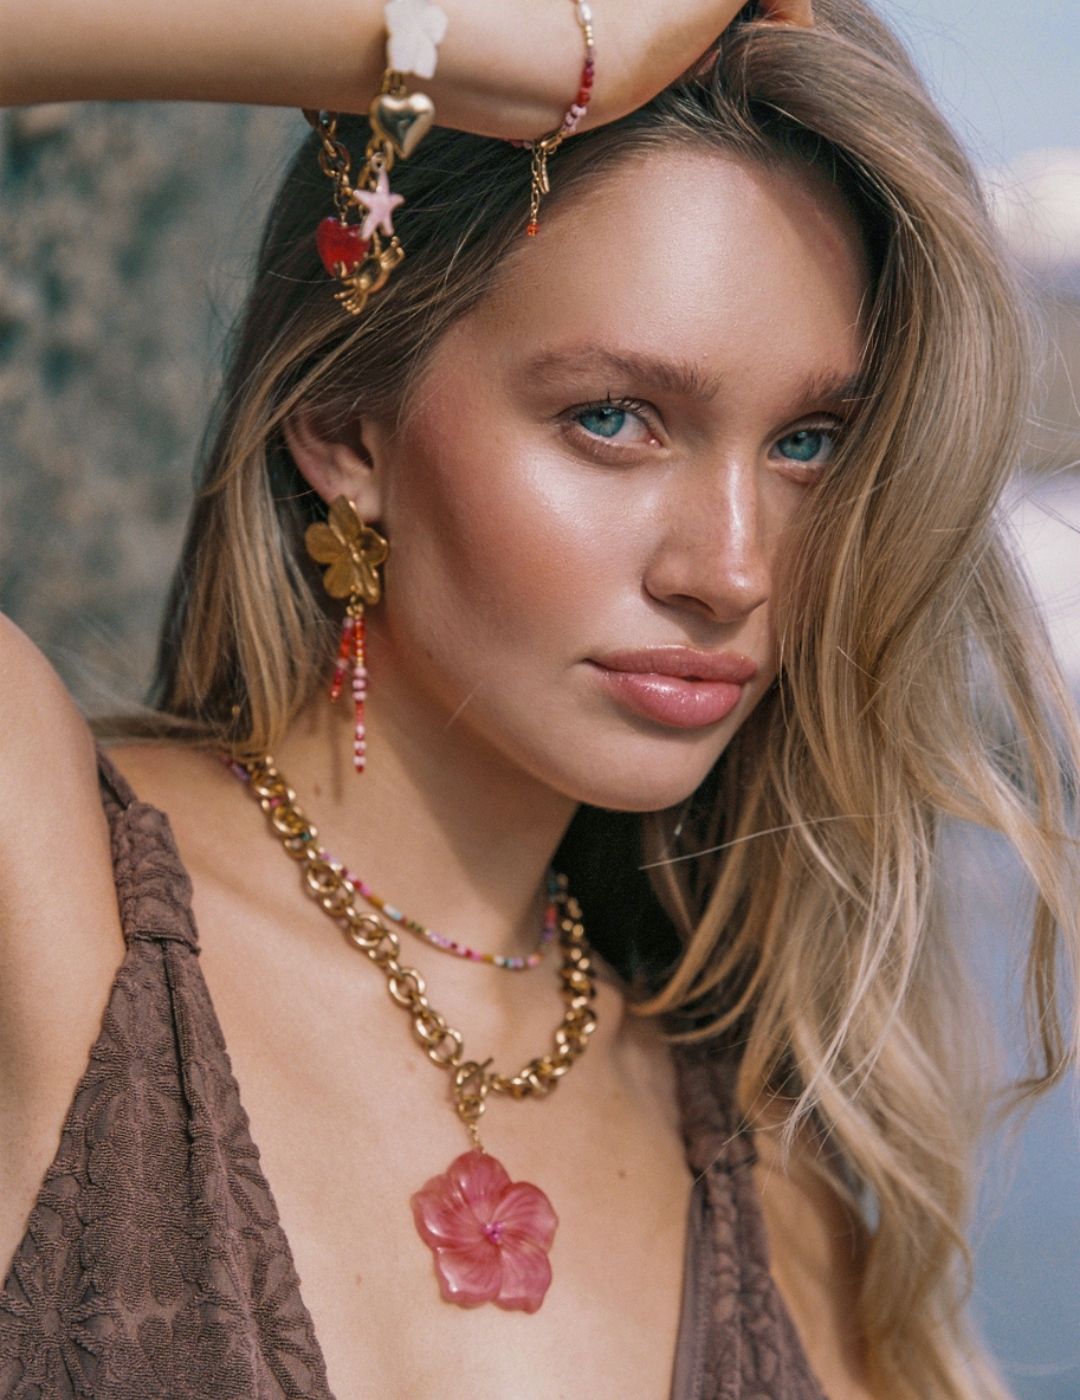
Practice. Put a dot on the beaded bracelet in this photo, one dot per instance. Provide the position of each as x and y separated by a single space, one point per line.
546 145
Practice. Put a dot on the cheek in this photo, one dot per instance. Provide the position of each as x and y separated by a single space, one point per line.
489 552
500 543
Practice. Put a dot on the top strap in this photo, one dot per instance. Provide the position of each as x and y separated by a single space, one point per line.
153 888
111 780
715 1139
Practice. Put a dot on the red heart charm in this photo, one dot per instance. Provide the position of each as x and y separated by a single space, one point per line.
339 243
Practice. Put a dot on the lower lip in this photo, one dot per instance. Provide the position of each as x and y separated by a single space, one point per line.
670 700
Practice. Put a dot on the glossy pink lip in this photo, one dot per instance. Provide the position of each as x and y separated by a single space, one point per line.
688 663
681 687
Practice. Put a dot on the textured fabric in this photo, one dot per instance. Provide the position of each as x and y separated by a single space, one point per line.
736 1338
154 1266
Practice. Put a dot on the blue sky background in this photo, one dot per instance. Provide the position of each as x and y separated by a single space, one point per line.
1007 72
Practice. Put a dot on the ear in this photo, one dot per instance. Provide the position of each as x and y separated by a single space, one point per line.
337 461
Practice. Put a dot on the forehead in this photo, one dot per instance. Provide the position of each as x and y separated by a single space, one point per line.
691 254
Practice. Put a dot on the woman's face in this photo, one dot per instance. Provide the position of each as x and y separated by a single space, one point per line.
601 462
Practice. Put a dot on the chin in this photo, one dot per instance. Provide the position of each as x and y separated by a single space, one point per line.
636 798
631 782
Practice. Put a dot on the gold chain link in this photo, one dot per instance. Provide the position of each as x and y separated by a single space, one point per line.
326 883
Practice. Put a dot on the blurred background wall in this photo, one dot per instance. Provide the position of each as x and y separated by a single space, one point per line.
126 233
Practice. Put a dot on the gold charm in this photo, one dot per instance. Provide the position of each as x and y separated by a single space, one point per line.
403 121
352 549
369 276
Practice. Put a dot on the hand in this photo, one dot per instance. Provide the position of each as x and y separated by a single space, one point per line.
650 45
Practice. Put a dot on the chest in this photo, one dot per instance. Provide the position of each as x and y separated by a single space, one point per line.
350 1119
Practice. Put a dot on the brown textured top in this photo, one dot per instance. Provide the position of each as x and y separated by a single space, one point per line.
154 1267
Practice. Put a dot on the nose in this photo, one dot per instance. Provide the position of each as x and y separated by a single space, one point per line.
711 554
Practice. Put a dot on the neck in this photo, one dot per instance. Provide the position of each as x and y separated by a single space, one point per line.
453 836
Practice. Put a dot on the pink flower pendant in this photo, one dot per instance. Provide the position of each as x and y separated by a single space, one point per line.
490 1235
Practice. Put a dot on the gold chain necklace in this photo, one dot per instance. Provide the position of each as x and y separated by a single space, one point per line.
490 1236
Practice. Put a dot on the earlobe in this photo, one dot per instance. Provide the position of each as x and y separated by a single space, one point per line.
334 462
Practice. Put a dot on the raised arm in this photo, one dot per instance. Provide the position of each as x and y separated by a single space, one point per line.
504 69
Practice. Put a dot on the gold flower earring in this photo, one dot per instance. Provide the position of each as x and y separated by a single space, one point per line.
353 552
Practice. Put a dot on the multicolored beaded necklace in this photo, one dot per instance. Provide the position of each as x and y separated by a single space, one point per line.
556 889
489 1236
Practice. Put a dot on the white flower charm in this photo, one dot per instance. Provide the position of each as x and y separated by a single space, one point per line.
380 204
414 28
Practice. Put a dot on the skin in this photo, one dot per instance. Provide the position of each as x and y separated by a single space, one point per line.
517 553
487 79
525 540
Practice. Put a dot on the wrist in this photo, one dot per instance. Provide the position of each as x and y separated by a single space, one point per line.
512 91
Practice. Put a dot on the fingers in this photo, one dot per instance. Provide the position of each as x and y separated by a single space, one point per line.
798 12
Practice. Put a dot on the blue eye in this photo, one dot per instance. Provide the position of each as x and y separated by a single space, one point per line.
808 445
604 422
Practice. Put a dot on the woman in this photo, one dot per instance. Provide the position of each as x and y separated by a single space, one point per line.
692 565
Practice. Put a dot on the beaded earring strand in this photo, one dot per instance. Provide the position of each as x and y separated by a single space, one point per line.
353 551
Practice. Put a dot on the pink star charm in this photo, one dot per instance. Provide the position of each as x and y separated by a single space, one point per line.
380 204
490 1236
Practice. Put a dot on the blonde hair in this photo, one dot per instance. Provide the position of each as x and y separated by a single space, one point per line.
806 919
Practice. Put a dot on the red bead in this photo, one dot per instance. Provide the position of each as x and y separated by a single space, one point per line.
532 229
587 78
583 96
339 243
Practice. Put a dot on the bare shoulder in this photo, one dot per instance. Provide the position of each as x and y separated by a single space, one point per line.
55 835
60 933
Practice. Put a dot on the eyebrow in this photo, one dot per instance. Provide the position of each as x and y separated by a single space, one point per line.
676 376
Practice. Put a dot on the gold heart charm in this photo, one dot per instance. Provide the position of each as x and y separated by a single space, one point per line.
402 121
